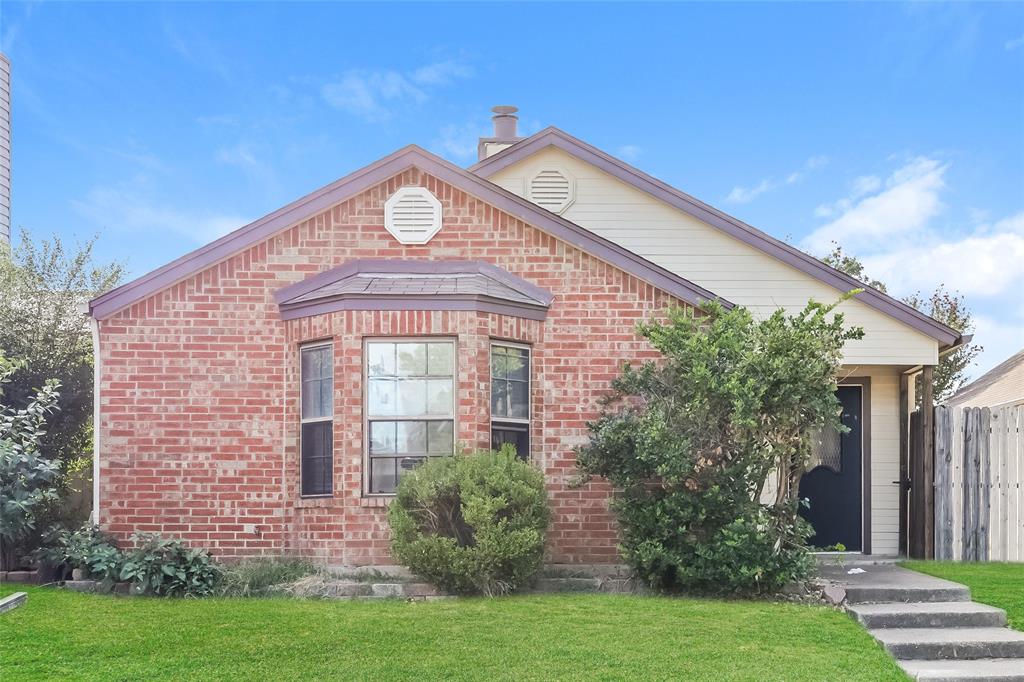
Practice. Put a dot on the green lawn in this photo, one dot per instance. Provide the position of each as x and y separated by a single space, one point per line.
60 634
996 584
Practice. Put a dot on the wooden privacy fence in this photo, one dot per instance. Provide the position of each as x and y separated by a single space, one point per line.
979 483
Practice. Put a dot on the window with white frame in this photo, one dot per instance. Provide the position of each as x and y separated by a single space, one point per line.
317 417
410 407
510 397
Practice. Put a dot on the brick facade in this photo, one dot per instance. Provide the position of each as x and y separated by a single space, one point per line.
199 422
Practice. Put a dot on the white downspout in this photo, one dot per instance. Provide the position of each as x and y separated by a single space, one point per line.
97 373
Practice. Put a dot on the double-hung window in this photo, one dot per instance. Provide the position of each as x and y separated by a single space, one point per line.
510 397
317 416
410 407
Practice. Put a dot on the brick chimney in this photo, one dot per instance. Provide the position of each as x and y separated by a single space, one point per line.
505 121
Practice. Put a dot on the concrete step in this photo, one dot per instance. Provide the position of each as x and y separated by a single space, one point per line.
880 594
951 643
964 614
978 670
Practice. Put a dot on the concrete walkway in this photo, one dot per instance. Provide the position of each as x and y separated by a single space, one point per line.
929 625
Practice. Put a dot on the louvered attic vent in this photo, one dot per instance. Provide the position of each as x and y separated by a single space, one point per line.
412 215
553 189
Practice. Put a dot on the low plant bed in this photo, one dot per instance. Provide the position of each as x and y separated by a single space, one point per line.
993 583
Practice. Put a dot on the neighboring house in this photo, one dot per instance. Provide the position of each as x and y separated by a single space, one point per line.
1001 386
263 394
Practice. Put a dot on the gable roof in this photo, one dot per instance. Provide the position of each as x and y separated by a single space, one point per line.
371 175
379 284
553 137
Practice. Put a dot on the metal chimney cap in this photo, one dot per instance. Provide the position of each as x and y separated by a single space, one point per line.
504 109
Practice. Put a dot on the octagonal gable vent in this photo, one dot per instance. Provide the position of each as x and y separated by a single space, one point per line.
412 215
553 189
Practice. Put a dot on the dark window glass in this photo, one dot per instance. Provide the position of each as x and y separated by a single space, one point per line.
517 435
317 460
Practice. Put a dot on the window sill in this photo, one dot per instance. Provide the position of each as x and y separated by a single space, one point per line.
380 501
315 501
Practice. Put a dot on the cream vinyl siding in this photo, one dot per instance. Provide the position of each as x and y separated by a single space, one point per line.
712 259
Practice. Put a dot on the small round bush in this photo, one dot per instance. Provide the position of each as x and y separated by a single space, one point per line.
471 524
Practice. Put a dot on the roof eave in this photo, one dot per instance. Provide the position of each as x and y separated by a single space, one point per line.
809 265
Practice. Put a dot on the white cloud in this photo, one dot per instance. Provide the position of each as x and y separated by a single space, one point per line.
1014 43
987 262
744 195
891 226
245 157
374 94
1000 339
629 152
460 141
441 73
909 199
128 208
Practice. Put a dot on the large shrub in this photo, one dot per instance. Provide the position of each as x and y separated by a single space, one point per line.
167 567
471 524
692 440
27 478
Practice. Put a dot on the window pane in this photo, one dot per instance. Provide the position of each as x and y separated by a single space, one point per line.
316 362
382 438
407 464
380 359
499 362
412 359
440 360
412 397
317 459
515 434
439 396
317 383
381 397
412 437
382 475
518 364
519 399
440 438
499 398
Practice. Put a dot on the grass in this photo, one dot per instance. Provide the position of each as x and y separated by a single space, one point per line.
61 634
993 583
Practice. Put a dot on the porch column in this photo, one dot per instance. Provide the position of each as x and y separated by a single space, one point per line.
905 406
928 440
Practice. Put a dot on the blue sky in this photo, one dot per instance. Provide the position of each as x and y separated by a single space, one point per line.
897 129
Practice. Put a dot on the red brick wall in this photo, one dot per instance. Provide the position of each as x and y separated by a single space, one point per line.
199 396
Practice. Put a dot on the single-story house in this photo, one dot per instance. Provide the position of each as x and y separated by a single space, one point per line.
1001 386
264 394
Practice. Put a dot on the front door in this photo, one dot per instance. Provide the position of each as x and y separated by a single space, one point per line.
833 482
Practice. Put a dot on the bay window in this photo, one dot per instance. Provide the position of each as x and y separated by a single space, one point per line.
409 408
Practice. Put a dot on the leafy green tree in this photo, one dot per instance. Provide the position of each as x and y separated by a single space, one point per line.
691 441
27 478
947 307
43 286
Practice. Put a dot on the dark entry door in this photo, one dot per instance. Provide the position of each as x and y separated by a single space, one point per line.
833 481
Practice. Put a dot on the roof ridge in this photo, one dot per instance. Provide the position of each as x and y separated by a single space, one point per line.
788 254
